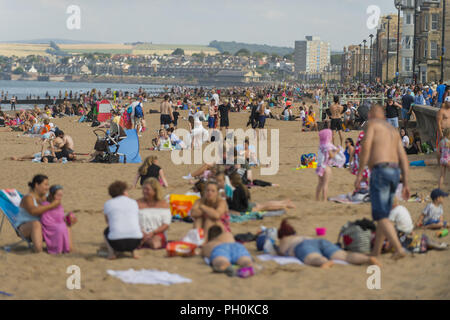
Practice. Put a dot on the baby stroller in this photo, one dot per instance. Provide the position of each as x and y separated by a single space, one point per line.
106 140
362 114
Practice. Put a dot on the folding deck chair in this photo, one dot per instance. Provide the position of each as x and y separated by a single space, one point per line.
10 211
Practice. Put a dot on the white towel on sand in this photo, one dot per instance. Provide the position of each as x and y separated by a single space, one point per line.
145 276
288 260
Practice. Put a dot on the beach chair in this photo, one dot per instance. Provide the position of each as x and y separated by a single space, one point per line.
10 211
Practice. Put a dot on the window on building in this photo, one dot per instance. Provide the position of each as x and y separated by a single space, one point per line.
434 21
425 50
409 18
407 64
407 42
433 49
426 22
409 3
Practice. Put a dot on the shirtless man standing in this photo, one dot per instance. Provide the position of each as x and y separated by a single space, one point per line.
443 121
383 152
166 113
336 123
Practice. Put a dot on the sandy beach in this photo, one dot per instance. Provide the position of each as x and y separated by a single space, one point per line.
43 276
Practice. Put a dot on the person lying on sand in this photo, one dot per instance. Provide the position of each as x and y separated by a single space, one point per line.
316 252
239 201
223 251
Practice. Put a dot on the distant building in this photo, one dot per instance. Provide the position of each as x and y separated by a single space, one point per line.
429 32
446 75
311 55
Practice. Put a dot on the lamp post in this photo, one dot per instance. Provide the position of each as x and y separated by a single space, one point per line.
416 10
398 5
370 59
389 18
359 62
364 61
443 39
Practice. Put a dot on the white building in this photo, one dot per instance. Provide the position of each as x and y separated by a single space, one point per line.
407 41
311 55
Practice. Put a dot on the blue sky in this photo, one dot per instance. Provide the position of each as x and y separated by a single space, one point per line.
280 22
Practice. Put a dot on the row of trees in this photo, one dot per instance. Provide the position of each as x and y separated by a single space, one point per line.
239 53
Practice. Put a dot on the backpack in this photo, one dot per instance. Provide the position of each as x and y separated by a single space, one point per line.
130 110
357 236
138 112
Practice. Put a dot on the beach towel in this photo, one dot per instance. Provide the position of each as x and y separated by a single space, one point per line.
256 215
349 199
288 260
145 276
11 195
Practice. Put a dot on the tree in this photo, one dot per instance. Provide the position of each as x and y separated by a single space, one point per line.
289 57
336 59
242 53
226 53
178 52
18 70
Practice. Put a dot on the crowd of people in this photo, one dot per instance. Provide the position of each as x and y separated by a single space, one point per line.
378 159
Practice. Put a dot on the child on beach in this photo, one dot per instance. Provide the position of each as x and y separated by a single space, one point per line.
432 216
55 232
444 155
327 151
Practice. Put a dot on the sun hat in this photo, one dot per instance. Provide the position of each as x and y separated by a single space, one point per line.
436 193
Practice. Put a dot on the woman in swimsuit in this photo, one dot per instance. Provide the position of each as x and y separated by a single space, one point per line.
30 210
316 252
211 210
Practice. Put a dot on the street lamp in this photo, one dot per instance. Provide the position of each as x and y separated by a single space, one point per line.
370 59
416 11
398 5
389 18
364 61
443 39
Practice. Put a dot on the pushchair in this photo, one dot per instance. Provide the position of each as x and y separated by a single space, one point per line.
106 142
362 114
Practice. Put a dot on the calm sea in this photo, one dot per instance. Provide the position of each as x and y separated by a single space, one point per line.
22 89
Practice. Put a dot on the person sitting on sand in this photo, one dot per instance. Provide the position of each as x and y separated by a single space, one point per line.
432 216
154 215
31 208
316 252
162 141
223 251
65 144
57 235
239 202
123 233
151 169
210 210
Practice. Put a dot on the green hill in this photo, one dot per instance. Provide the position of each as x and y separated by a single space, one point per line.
233 47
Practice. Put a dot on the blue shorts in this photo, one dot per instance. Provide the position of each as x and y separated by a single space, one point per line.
405 114
393 121
320 246
262 121
231 251
383 185
431 221
211 122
